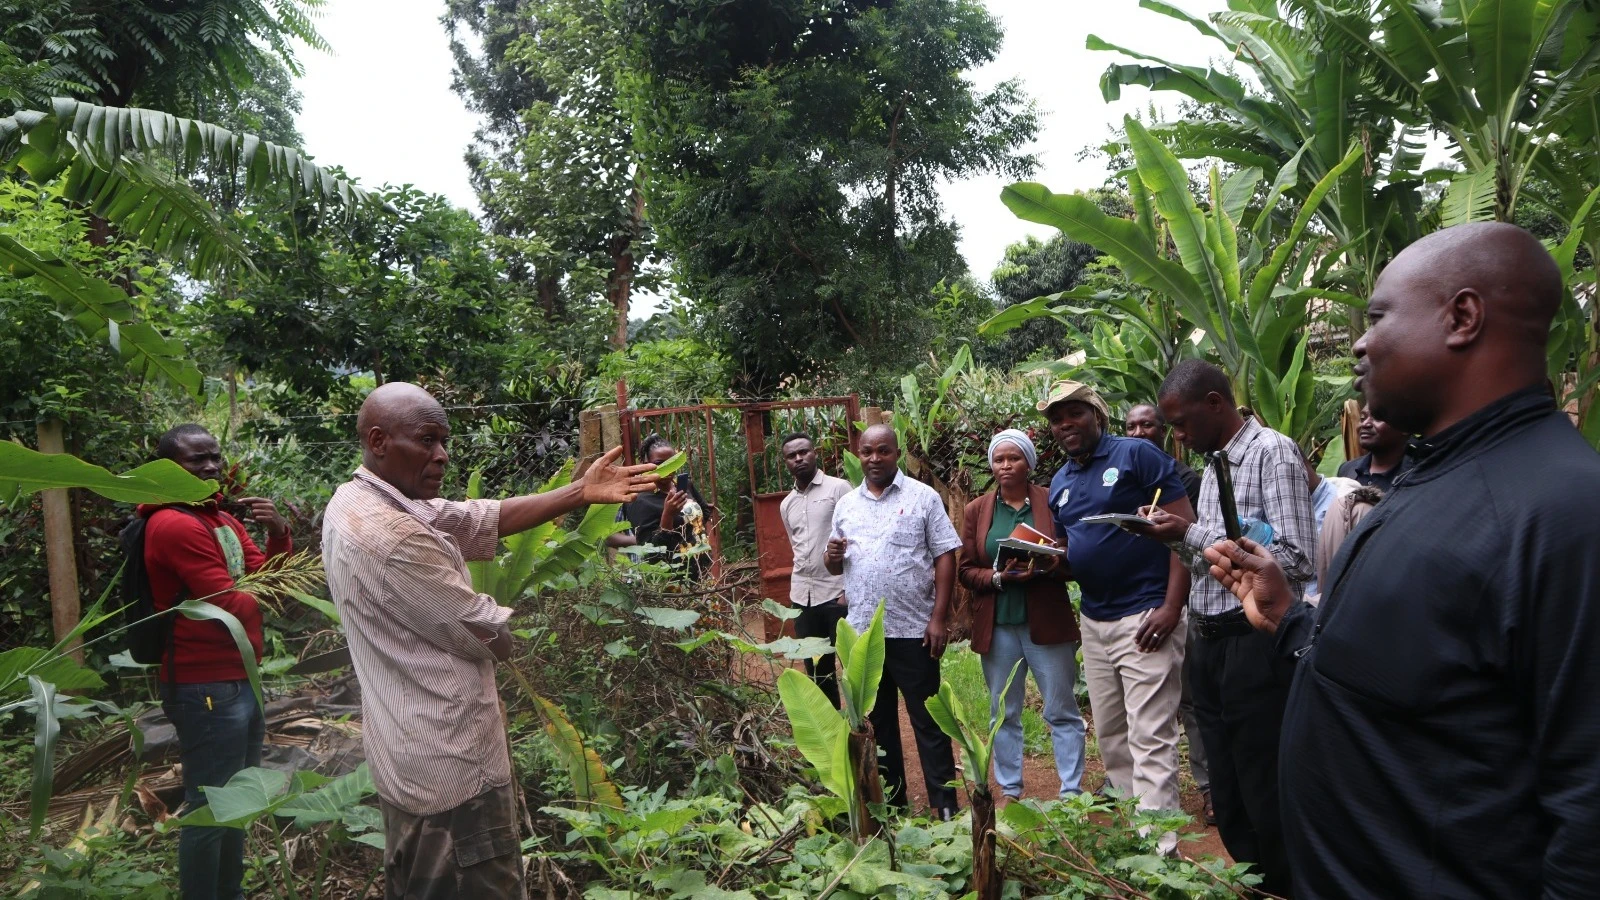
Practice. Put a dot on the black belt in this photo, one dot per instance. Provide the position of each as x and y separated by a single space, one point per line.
1223 625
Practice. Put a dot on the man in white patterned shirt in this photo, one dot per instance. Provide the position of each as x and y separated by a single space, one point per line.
424 644
895 547
1239 683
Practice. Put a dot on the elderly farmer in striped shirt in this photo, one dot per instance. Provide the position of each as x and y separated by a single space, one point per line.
424 644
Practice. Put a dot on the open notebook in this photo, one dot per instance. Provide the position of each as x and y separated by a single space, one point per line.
1026 544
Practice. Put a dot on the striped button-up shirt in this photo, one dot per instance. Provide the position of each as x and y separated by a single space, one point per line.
1269 483
432 727
808 518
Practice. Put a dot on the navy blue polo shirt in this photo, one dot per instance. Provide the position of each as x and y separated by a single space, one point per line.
1120 574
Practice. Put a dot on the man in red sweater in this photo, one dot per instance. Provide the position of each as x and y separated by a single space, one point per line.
197 552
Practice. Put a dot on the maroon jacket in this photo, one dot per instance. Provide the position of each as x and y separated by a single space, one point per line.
1051 618
184 554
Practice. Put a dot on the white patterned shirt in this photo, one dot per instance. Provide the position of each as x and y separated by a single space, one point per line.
431 721
893 540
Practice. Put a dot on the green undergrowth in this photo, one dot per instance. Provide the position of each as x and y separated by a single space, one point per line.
713 846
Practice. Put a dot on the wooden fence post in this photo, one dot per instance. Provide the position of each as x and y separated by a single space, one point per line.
598 432
58 545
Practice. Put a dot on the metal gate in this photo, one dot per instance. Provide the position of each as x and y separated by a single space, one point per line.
831 421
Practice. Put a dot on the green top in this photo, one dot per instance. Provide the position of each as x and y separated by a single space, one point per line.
1010 605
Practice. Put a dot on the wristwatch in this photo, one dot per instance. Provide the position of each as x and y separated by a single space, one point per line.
998 584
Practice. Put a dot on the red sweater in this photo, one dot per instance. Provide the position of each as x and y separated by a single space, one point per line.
183 554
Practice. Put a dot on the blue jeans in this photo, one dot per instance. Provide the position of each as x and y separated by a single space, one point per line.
1055 670
220 729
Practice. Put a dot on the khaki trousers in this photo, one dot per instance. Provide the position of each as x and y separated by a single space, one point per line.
1134 697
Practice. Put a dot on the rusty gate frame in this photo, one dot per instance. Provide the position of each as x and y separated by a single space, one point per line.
774 576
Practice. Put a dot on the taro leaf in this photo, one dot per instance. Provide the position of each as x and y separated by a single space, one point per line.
371 839
363 818
666 617
778 610
123 659
1023 818
790 648
19 662
333 800
698 641
248 795
597 615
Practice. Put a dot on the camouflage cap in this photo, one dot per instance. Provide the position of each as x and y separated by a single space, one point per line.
1062 391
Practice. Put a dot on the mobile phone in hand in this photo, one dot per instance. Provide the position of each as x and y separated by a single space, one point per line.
1230 507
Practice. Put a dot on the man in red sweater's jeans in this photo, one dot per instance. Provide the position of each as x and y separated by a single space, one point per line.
197 552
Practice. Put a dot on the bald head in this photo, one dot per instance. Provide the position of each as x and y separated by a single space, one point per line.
404 432
881 432
1517 277
395 403
1458 320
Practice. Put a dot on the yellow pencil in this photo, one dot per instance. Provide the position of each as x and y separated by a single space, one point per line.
1157 500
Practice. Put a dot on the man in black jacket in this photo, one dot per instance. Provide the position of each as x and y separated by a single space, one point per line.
1442 738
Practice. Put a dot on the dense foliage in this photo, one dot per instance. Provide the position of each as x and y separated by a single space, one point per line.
769 171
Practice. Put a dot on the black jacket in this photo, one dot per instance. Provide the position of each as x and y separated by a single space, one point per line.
1442 737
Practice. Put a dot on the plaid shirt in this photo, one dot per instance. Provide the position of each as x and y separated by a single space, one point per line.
1269 483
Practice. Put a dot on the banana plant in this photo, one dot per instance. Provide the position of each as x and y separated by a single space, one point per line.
1245 286
537 558
1574 349
839 744
130 168
1311 98
1511 83
977 747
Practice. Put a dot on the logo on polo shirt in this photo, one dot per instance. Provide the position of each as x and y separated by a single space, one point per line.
1061 501
1110 477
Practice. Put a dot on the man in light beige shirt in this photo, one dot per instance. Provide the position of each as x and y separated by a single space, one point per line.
424 644
808 518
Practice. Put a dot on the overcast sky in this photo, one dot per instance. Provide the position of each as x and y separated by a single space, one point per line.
381 106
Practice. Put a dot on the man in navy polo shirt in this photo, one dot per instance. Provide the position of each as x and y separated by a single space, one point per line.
1133 593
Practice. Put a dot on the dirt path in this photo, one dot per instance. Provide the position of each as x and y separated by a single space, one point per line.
1039 782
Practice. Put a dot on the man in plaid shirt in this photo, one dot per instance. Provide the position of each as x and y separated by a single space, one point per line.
1239 684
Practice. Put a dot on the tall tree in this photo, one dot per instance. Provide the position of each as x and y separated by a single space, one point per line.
136 52
1034 268
554 166
794 150
401 295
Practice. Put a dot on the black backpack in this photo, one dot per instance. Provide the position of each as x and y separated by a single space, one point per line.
146 639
